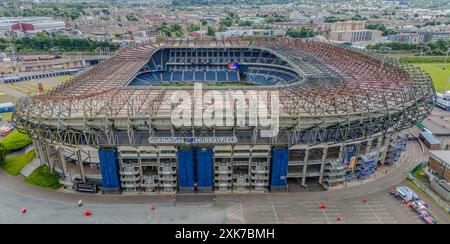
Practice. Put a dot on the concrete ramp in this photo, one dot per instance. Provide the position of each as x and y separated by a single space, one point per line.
27 170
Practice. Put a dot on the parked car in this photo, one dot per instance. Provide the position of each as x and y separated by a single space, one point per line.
429 219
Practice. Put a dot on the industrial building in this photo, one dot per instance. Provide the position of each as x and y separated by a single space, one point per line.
419 36
349 31
341 112
438 171
29 24
354 35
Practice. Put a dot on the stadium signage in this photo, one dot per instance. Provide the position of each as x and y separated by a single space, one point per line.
192 140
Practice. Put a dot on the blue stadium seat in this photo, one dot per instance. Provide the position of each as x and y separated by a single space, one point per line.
232 76
199 76
188 76
166 76
210 76
221 76
177 76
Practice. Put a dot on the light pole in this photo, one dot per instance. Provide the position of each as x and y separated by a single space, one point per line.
446 87
445 62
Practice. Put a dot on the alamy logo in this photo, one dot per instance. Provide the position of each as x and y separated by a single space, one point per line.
239 108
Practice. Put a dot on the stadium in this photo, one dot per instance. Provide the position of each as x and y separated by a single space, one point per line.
341 114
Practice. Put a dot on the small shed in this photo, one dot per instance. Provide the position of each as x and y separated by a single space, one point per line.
430 141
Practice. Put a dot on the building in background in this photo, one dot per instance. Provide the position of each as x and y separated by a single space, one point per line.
414 37
249 32
349 31
438 171
344 26
354 36
439 164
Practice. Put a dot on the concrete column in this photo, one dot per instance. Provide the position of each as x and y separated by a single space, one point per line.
379 143
387 140
47 156
141 171
322 166
80 163
305 167
37 148
341 151
42 154
369 145
63 160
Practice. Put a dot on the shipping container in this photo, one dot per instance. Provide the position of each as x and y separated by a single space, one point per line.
6 107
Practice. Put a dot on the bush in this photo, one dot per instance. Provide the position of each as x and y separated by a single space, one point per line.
15 141
42 177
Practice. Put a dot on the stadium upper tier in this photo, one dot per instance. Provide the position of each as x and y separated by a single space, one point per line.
215 65
327 92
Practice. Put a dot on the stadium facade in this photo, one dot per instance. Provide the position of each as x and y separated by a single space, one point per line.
341 113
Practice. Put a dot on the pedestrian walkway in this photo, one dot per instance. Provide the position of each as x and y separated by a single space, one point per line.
27 170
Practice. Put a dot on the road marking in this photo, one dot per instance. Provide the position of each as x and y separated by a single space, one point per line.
153 218
275 212
379 220
236 213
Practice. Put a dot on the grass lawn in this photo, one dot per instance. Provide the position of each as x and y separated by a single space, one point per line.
30 87
5 98
420 175
15 140
64 78
6 116
424 59
438 74
13 165
42 177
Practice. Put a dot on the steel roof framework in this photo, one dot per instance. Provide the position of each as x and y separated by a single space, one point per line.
361 94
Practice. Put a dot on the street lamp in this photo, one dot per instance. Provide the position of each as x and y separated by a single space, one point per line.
445 62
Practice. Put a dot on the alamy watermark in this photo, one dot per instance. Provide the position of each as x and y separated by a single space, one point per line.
241 108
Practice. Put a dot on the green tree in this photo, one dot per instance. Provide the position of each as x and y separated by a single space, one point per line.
300 33
331 19
193 27
358 17
245 23
226 22
132 17
211 31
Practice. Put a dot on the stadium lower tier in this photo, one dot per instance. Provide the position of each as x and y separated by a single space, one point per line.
220 167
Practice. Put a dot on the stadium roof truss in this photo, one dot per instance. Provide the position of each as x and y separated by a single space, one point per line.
345 94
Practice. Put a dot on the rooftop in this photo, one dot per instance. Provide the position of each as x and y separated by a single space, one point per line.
441 155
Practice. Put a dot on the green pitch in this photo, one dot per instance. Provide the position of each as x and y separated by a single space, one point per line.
439 75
